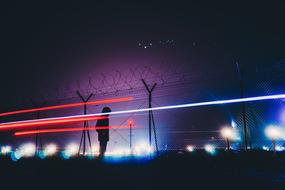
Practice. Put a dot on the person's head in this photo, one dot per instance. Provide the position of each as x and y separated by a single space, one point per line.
106 110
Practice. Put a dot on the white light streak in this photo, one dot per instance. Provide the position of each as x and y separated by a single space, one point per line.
209 103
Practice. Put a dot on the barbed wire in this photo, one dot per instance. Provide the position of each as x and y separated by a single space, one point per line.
116 82
128 81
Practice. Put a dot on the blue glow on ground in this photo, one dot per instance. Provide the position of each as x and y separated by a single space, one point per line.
130 158
15 156
41 155
64 155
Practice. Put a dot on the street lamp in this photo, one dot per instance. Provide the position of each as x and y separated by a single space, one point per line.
274 133
228 134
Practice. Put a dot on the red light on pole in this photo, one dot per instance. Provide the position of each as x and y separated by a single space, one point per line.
130 123
114 100
62 130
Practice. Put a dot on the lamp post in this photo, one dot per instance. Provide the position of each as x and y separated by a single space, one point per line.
274 134
228 134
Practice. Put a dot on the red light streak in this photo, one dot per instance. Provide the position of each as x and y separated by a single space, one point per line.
49 121
114 100
62 130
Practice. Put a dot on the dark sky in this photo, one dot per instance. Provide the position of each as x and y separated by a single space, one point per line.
39 40
42 41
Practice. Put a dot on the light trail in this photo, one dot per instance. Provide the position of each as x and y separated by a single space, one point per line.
114 100
218 102
48 121
62 130
209 103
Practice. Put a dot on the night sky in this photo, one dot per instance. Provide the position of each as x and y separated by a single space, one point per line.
46 45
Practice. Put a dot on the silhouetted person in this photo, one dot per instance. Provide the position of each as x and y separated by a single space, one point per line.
103 134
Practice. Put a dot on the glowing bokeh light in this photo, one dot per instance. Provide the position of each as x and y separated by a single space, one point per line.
279 148
70 150
266 148
26 150
50 149
6 149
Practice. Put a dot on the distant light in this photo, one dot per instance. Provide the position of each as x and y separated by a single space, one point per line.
71 150
190 148
273 132
210 148
228 133
50 149
6 149
144 47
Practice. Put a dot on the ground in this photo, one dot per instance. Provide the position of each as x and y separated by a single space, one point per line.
171 170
